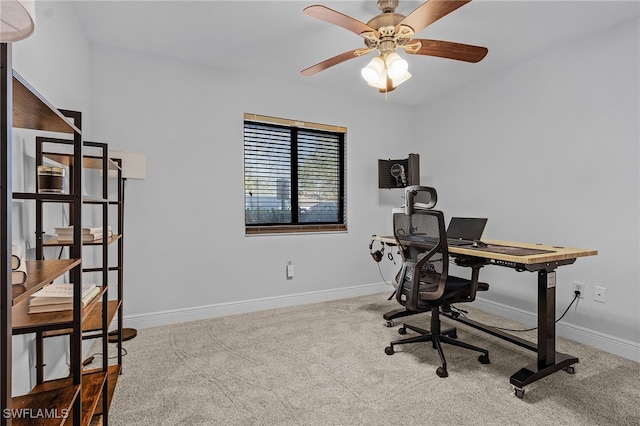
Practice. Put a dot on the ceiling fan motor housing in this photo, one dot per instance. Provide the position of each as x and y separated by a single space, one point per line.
387 6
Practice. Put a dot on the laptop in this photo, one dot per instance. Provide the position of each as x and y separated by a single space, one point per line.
462 231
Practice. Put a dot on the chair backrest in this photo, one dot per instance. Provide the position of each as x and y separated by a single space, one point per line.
422 240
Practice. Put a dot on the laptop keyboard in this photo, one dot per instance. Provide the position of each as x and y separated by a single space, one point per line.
459 242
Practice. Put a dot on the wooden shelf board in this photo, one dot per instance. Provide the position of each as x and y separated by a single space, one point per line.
59 399
90 200
55 198
24 322
92 321
88 161
56 243
39 273
113 374
91 390
32 111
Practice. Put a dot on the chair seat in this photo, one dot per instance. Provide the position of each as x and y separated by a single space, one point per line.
456 288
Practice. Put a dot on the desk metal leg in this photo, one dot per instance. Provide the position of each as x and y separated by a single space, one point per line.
549 361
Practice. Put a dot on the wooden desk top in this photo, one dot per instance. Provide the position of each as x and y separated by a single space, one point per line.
546 254
504 250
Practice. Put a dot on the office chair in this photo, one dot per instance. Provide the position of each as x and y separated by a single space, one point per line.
424 283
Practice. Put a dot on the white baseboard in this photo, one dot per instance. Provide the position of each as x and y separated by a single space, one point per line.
175 316
612 344
615 345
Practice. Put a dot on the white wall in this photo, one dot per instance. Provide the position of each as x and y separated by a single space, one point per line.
185 242
548 152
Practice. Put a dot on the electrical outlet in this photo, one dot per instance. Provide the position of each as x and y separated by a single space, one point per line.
578 286
598 294
289 269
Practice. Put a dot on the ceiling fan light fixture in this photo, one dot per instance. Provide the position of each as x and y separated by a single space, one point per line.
373 72
396 65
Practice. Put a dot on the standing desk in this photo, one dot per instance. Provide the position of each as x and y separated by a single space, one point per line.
521 257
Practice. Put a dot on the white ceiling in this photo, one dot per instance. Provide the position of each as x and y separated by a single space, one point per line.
275 39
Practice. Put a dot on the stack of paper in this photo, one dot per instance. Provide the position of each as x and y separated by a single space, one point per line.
59 297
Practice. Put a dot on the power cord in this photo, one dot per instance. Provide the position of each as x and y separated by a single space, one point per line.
90 358
575 297
392 259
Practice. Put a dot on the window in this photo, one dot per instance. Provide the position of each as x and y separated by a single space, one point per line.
294 175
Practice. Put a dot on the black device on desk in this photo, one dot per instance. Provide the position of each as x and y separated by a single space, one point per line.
464 231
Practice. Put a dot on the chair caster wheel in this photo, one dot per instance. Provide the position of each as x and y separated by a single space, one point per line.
570 369
519 392
389 350
402 330
389 323
441 372
484 359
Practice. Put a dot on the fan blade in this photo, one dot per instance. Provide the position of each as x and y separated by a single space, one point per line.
429 12
339 19
449 50
328 63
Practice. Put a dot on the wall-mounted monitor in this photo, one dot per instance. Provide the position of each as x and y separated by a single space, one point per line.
399 173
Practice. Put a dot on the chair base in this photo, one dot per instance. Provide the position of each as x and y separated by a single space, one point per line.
437 337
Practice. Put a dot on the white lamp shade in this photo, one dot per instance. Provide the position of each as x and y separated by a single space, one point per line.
17 19
372 73
396 66
382 81
134 164
400 79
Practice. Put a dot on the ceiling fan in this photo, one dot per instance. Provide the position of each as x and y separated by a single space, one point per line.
390 31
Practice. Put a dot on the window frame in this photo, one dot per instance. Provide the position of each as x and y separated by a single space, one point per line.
300 227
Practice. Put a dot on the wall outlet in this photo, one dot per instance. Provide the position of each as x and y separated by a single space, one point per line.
289 269
598 294
578 286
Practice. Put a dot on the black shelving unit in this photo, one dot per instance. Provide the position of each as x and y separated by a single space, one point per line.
73 399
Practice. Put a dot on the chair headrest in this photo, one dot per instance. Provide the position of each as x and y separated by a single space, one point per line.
419 197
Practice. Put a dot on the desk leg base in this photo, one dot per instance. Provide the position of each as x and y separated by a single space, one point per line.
533 372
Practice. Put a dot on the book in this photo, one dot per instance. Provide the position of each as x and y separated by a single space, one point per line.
17 256
18 277
56 307
69 230
58 293
19 274
85 237
87 297
15 262
65 234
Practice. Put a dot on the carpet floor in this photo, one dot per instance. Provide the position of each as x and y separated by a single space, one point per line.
324 364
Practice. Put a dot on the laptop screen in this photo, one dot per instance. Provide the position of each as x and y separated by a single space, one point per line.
466 228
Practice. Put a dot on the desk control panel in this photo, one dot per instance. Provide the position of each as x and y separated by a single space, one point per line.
505 263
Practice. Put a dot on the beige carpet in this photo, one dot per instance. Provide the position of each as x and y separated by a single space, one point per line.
324 364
